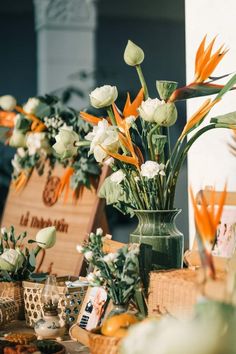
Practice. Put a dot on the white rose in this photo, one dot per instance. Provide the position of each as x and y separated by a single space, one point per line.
88 255
103 96
99 231
110 258
117 177
7 102
147 109
65 145
103 136
37 142
79 248
151 169
35 106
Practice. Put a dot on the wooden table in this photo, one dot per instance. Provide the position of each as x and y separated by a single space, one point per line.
20 326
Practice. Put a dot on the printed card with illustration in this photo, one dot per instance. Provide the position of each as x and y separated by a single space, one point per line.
226 233
93 308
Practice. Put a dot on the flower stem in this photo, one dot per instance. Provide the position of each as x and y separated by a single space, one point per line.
111 115
142 81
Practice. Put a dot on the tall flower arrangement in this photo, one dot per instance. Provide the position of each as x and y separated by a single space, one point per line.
135 140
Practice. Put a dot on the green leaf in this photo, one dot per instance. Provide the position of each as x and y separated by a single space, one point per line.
229 118
227 87
32 259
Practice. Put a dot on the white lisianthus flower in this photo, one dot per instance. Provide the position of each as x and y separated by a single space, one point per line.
36 107
7 102
88 255
91 277
79 248
97 273
133 54
37 142
103 96
130 119
110 258
117 177
99 231
103 136
151 169
65 145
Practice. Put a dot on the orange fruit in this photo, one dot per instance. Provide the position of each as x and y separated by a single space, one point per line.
117 325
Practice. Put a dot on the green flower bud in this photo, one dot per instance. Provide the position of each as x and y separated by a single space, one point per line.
18 139
166 88
133 55
46 238
65 145
166 114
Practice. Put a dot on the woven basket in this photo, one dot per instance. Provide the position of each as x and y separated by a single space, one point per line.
14 291
174 292
8 310
99 344
69 305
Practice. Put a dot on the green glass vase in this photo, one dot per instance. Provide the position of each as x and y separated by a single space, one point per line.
157 228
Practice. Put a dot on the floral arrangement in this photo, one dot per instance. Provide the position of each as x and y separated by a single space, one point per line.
135 141
211 331
117 272
17 261
33 131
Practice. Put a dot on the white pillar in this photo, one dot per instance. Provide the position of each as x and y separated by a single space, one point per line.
65 44
209 160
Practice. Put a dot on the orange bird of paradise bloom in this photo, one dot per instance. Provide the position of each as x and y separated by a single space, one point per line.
7 119
198 116
207 219
130 109
205 64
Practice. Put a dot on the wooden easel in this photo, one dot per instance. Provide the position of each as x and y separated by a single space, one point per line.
27 211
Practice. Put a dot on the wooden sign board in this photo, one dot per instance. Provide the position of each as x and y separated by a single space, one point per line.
225 246
35 207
